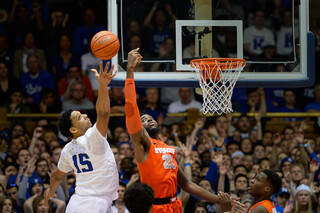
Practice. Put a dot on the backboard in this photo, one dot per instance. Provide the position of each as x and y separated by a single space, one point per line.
274 40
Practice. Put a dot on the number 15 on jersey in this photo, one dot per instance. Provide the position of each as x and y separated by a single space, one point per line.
83 160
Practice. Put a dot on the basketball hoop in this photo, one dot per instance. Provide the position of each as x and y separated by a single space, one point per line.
217 78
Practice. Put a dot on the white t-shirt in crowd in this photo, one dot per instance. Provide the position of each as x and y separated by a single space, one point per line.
257 39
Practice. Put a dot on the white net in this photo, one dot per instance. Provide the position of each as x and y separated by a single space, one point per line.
217 78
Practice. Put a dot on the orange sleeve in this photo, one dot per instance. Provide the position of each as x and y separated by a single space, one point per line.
133 121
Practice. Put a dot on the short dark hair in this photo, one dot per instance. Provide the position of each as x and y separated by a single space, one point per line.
65 123
122 184
200 204
251 90
262 159
240 165
138 198
23 148
241 175
233 143
274 179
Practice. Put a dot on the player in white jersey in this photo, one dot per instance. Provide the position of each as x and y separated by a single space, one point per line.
88 155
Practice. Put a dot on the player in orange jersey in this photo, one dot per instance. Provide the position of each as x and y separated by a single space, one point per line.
262 187
155 159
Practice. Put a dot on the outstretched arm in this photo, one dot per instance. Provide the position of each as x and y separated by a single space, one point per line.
140 137
103 101
195 189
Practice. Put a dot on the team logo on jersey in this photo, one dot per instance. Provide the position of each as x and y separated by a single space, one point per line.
164 150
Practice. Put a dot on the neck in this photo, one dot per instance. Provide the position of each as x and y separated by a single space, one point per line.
256 199
77 101
151 105
290 106
185 101
303 208
258 27
64 52
119 203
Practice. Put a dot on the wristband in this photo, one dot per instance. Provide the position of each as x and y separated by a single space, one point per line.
154 8
175 134
212 150
218 148
259 124
306 146
186 164
301 145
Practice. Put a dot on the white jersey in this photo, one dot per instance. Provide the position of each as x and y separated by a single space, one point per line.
96 175
257 39
285 40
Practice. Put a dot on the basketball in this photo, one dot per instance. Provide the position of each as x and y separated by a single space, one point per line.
105 45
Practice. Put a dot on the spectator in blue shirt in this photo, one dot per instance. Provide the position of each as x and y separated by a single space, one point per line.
35 80
82 34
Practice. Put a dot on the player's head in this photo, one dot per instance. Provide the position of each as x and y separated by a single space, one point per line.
73 124
265 183
138 198
150 125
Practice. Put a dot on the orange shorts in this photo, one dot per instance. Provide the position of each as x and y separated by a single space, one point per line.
175 207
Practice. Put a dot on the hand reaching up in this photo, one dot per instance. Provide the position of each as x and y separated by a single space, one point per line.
104 77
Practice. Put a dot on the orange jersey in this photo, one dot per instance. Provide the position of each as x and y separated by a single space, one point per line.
160 171
269 205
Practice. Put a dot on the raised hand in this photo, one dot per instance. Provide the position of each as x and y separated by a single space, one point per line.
223 169
9 171
37 132
304 125
31 167
207 141
134 57
299 137
218 142
314 187
213 130
200 122
276 138
104 77
227 203
217 157
185 152
289 207
314 166
190 142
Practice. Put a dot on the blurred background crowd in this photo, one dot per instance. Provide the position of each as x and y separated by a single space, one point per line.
45 64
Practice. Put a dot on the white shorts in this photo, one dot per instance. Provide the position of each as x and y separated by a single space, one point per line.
85 204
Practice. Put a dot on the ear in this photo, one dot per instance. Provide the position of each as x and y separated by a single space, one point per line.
73 130
267 189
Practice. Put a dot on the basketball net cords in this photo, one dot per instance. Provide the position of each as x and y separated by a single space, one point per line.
217 94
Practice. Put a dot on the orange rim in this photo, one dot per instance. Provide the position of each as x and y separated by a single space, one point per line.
212 62
215 63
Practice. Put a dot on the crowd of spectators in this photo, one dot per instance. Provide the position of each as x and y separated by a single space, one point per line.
45 64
